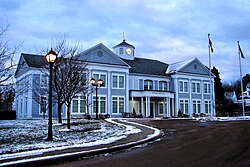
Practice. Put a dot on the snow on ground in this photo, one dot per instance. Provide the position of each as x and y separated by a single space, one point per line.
209 118
28 137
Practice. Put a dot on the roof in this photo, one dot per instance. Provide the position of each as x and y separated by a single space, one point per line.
102 55
32 60
177 66
124 44
147 66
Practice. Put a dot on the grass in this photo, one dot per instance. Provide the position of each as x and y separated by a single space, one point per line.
24 135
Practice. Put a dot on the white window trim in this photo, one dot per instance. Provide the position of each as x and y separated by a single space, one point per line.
184 99
148 81
118 83
208 91
78 98
196 103
99 77
196 87
209 106
39 105
167 85
43 85
118 112
99 104
183 86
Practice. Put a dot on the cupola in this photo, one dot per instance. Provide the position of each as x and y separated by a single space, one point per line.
125 50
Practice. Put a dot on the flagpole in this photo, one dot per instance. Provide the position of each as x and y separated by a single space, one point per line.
210 76
242 96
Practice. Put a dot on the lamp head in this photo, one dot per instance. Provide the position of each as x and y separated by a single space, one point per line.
92 81
100 82
51 56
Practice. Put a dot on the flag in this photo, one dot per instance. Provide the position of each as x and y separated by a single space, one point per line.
210 44
240 51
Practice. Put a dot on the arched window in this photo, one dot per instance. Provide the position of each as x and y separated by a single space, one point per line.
163 86
148 85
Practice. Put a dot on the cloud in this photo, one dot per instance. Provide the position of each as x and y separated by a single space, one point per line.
167 29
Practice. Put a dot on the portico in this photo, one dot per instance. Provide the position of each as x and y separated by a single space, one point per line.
151 103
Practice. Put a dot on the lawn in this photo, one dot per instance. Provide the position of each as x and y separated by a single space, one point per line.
25 135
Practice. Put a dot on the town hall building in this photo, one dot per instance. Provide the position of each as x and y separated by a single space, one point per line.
134 85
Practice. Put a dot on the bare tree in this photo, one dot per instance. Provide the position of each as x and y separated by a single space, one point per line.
69 77
7 64
69 80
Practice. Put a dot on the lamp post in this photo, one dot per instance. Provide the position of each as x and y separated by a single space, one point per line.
50 57
96 83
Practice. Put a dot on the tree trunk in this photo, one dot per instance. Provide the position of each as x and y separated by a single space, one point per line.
59 105
68 116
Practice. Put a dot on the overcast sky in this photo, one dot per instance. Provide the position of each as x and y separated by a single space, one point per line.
166 30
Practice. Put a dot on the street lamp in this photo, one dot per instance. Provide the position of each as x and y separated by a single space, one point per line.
50 57
96 83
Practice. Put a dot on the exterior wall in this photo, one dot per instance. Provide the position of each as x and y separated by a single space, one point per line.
190 95
28 95
109 91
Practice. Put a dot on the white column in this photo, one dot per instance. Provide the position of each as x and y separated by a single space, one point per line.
168 107
190 108
132 107
213 100
142 107
176 87
109 98
164 108
148 107
173 107
202 97
127 93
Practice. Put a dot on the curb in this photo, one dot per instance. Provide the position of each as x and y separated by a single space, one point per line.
48 160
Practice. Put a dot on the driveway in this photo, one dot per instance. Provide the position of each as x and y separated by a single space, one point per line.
185 143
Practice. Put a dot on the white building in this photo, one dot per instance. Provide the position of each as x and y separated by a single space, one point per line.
132 85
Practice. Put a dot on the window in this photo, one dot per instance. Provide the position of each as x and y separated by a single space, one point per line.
161 108
163 86
79 105
148 85
101 76
207 88
117 105
207 106
118 81
101 104
43 104
75 106
196 106
183 86
184 106
196 87
44 80
121 51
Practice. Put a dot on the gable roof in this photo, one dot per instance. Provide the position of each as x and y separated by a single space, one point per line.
32 60
29 60
102 55
172 68
147 66
193 66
